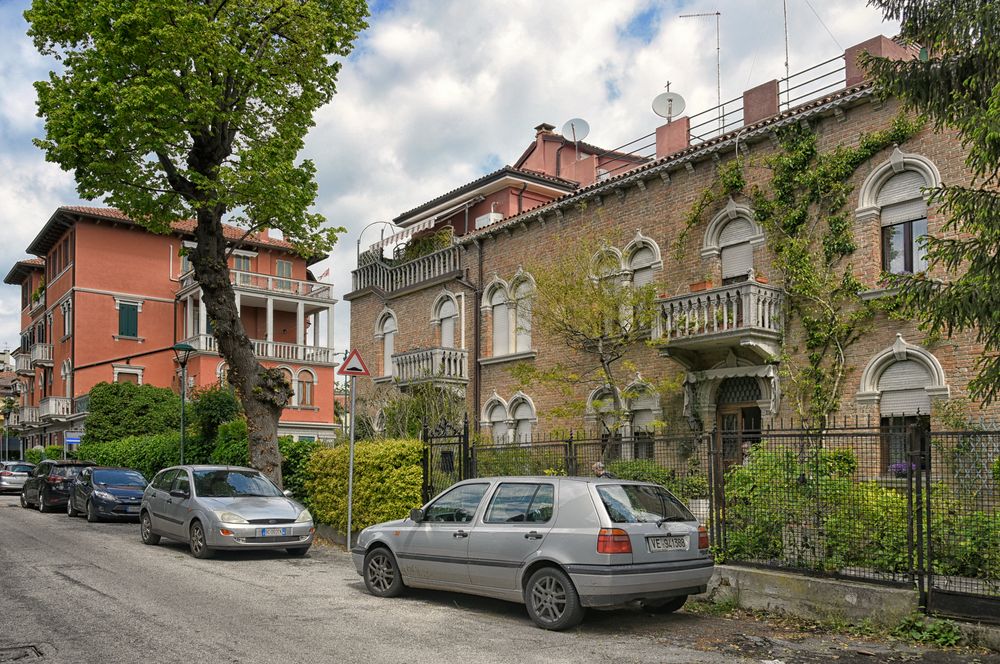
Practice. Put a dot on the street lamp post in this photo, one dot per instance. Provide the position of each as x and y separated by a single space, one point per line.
182 352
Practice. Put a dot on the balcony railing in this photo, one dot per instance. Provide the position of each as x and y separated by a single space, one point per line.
14 419
41 354
22 363
56 407
269 283
29 415
744 307
272 350
392 278
431 364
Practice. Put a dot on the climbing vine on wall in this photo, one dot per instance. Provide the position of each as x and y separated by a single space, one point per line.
809 232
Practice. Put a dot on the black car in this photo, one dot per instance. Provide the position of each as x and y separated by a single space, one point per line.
106 493
48 487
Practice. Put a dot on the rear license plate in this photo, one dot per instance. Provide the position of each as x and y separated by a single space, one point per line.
131 508
667 543
272 532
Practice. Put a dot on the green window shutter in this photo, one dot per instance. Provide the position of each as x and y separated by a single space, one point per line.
128 320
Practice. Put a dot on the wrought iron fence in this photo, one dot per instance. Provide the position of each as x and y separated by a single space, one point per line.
895 503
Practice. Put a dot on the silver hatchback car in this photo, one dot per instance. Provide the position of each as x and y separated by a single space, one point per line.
13 474
556 544
223 507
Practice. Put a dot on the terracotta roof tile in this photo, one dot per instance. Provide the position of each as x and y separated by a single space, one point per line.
182 225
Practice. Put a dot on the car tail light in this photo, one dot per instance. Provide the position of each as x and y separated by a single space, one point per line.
613 540
52 479
6 473
702 538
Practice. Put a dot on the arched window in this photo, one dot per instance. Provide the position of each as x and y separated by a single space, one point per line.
894 192
501 322
601 413
447 315
387 333
737 252
606 263
305 386
522 316
523 414
222 373
497 418
67 376
642 257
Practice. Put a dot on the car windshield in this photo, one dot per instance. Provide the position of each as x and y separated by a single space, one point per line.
119 478
66 471
233 483
637 503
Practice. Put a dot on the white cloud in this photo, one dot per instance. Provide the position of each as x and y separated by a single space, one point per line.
438 89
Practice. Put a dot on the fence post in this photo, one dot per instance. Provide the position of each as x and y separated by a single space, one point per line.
570 457
426 457
467 470
716 488
915 458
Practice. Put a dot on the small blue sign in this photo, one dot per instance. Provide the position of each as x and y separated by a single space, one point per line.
72 440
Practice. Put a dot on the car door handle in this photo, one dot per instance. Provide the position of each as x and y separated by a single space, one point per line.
460 533
534 534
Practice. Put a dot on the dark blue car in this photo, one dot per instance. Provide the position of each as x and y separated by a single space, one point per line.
107 493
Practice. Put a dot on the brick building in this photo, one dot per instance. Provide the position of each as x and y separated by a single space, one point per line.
103 300
461 315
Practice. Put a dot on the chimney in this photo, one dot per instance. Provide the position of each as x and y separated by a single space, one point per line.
673 136
760 102
544 128
880 46
263 233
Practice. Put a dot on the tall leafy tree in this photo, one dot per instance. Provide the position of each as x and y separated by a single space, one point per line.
956 83
198 108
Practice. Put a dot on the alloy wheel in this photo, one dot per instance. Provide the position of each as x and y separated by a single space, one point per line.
381 572
548 598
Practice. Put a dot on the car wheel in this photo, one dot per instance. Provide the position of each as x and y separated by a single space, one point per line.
92 512
552 600
298 551
24 501
146 530
382 577
41 502
669 606
198 543
70 510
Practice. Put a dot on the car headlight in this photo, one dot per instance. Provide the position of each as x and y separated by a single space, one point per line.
304 517
230 517
104 495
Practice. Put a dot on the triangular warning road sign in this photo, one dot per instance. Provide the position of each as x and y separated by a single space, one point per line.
354 366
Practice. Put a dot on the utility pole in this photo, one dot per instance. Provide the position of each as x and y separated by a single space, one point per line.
718 62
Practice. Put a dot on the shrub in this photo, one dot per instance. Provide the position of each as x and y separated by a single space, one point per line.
232 444
295 456
495 460
232 448
53 452
996 470
388 475
119 410
149 454
210 408
685 487
34 455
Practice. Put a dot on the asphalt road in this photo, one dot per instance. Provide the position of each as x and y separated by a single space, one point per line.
71 591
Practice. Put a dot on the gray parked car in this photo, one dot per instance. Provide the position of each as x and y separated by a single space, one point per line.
556 544
223 507
13 474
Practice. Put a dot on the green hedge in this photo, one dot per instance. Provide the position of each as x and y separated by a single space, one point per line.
53 452
684 487
388 476
34 455
149 454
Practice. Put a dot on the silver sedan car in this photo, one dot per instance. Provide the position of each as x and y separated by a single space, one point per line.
556 544
223 507
13 475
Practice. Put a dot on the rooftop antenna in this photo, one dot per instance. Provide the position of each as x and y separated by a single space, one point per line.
718 60
668 104
577 129
784 7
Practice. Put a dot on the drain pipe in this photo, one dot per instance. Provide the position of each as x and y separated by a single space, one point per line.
477 384
520 206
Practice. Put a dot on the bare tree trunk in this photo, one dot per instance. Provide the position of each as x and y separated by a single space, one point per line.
263 392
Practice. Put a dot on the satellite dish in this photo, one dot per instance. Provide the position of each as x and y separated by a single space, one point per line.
576 129
668 104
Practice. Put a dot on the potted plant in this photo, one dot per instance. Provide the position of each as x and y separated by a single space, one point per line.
704 284
761 279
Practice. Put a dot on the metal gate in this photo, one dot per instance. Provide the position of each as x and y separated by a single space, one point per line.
446 456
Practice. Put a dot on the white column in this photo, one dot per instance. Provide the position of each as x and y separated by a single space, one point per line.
315 327
270 320
202 314
300 324
237 294
329 327
189 318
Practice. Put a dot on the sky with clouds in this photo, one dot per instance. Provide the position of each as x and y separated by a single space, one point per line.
439 92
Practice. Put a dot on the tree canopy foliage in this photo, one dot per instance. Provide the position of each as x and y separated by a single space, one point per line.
956 84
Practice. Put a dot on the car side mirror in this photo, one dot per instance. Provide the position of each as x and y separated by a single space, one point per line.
287 493
417 514
177 493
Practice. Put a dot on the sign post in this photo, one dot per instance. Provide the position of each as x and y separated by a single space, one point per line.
353 366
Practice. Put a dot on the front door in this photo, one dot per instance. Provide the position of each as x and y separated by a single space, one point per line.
739 426
437 548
